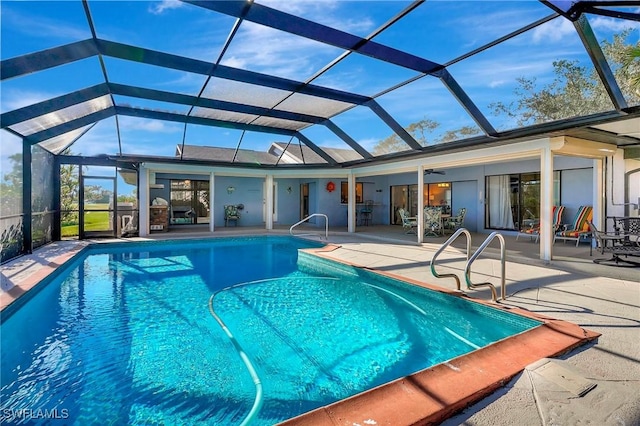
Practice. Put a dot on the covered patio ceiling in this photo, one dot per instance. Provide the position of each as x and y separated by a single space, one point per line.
322 83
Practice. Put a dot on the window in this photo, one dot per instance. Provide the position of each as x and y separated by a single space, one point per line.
344 193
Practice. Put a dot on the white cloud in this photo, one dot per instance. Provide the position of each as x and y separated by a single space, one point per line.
128 124
325 12
613 25
158 8
300 7
270 51
552 31
497 83
491 24
266 50
42 27
369 143
16 98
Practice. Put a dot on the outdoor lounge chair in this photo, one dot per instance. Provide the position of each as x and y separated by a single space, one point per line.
410 224
618 245
533 228
579 228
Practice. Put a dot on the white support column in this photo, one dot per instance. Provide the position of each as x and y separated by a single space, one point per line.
546 204
351 205
143 208
211 202
599 197
420 213
268 183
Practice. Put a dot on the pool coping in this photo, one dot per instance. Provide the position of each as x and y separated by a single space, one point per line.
432 395
37 272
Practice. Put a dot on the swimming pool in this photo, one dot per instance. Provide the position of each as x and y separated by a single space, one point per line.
125 335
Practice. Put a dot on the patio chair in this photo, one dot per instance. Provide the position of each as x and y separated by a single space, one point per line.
533 228
617 245
456 222
231 214
578 229
432 222
410 224
366 212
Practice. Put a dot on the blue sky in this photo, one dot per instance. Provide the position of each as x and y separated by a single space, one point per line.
437 30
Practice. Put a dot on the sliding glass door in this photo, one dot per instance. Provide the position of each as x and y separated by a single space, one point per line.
514 199
189 202
406 197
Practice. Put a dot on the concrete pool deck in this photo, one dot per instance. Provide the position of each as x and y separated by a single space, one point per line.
596 383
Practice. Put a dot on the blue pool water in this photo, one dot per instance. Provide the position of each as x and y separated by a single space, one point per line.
126 335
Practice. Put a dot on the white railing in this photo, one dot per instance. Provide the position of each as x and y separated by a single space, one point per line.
326 226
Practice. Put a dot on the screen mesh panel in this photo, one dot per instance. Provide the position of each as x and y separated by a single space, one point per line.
244 93
313 105
60 143
217 114
61 116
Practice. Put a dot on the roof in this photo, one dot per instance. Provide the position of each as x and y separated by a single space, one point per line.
344 82
224 155
278 152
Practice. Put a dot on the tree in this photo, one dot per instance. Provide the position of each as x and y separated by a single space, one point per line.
420 131
455 134
417 130
11 187
575 90
631 66
69 187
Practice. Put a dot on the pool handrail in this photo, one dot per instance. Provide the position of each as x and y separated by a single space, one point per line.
446 244
326 226
467 268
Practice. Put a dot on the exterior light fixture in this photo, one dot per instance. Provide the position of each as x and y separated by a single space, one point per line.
230 189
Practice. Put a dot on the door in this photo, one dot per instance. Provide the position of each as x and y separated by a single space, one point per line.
304 200
275 202
313 201
97 215
403 197
465 194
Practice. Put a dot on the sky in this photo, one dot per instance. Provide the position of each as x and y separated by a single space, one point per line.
440 31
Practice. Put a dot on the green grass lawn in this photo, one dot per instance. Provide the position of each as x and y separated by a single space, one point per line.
93 221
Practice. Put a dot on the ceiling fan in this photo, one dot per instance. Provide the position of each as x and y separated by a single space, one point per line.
431 171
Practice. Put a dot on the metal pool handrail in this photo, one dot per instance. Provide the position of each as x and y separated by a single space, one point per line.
326 225
467 269
446 244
